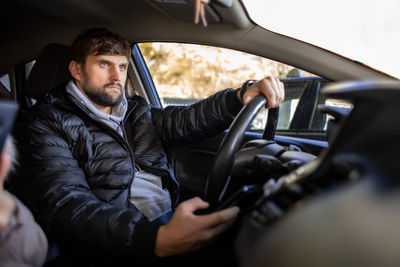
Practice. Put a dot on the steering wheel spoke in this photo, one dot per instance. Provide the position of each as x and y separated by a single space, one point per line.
220 176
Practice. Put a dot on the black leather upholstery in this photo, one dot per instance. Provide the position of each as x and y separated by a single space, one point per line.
49 71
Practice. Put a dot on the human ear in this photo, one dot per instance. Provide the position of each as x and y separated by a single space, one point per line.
75 70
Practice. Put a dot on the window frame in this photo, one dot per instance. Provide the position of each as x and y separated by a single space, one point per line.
313 84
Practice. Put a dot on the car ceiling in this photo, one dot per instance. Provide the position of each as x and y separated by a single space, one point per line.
27 26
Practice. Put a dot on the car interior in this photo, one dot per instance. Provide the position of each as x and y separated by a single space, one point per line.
293 187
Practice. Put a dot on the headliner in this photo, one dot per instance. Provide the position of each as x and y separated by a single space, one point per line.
29 25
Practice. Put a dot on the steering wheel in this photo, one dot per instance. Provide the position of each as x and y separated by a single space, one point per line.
220 176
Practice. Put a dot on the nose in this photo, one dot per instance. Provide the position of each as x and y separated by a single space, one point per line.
115 74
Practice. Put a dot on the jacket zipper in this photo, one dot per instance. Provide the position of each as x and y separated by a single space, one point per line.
126 140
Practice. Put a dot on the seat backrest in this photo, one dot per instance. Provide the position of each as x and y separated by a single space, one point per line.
49 71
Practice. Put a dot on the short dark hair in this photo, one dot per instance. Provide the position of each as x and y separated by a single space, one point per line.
99 41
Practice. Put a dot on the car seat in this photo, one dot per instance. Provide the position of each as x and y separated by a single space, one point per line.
49 71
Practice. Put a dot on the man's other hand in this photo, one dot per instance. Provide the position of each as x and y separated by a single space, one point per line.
272 88
187 232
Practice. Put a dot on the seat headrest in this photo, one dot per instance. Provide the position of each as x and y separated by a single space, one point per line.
49 71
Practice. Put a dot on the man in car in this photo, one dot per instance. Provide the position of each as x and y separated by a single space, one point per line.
96 175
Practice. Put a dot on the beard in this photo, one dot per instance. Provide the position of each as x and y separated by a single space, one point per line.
99 95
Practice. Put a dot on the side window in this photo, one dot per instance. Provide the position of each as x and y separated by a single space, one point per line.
6 91
186 73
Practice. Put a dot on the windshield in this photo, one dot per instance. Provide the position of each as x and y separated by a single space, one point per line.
367 31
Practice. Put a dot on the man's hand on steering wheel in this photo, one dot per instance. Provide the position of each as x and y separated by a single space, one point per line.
271 88
273 91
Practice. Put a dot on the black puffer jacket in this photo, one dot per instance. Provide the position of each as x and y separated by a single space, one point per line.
77 172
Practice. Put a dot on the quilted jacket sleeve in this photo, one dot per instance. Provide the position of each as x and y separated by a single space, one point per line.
200 120
55 189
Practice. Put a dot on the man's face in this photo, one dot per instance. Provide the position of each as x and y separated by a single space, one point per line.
103 77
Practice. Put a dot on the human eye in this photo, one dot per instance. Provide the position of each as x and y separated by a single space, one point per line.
104 64
122 67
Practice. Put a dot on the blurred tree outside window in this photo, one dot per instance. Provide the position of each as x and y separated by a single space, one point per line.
186 73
